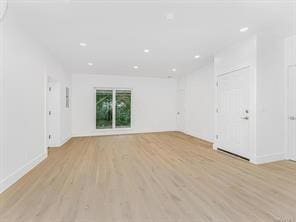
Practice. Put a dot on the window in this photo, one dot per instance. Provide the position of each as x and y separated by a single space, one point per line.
113 109
123 109
104 107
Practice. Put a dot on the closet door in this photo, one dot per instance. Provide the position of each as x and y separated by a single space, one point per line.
181 110
292 112
233 112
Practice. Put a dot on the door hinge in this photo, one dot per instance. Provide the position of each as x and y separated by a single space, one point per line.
217 110
49 136
217 136
49 89
217 84
49 113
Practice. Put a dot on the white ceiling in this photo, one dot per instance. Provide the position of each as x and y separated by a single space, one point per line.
117 32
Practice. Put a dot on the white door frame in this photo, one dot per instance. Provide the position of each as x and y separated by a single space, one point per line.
252 109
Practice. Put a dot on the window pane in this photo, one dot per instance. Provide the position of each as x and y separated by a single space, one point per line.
104 109
123 109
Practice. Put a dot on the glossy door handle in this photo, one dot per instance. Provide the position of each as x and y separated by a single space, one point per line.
292 118
245 118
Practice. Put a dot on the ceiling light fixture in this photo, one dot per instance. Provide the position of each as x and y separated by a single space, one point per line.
196 56
90 64
174 70
170 16
146 50
136 67
83 44
244 29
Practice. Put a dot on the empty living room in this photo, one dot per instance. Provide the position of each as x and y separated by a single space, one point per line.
147 110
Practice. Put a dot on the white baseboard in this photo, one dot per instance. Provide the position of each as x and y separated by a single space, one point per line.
61 143
268 158
20 172
198 137
119 132
65 140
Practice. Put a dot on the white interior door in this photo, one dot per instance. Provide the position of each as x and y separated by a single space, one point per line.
233 112
292 112
181 110
52 114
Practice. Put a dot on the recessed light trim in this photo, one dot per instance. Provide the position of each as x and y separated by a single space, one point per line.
90 64
170 16
146 50
174 69
83 44
196 56
136 67
244 29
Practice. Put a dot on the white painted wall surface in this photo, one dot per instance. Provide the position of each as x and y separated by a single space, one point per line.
199 103
291 50
236 56
25 69
270 97
1 103
153 103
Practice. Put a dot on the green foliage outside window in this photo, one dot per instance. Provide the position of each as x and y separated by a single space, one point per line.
104 109
123 108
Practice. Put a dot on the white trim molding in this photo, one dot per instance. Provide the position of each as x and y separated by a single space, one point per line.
268 158
20 172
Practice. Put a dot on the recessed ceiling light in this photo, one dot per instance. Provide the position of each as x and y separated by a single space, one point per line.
136 67
174 70
196 56
83 44
244 29
170 16
146 50
90 64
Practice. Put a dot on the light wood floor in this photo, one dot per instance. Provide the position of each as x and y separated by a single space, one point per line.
163 177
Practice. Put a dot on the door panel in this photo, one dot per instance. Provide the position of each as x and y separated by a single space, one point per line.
292 112
181 110
52 114
233 112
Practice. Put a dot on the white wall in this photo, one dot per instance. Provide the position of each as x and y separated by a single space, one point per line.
1 103
291 50
199 103
26 65
153 103
270 97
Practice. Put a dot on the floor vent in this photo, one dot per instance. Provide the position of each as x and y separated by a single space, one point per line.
233 154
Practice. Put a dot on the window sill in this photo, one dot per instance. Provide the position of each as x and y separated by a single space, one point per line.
113 130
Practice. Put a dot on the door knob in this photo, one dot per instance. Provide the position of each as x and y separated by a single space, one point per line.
292 118
245 118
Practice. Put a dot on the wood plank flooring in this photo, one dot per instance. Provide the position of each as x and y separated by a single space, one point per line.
161 177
